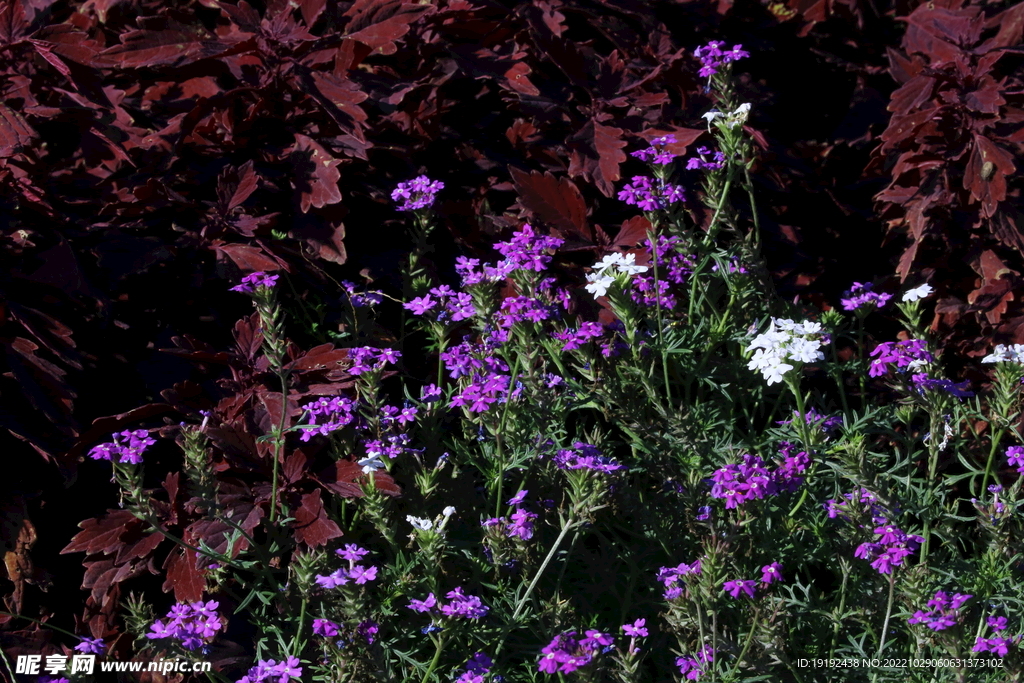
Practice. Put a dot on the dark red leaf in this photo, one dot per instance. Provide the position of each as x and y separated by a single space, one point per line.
183 577
312 526
597 154
634 230
162 41
13 24
247 183
311 9
379 24
556 202
517 79
14 132
985 174
102 534
247 257
323 357
317 174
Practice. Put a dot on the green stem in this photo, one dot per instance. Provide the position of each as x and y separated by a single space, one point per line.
435 660
746 645
543 566
298 642
652 237
991 458
41 623
888 613
279 443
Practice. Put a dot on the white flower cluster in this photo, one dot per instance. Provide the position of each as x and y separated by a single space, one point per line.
917 293
1012 354
607 268
424 524
784 341
731 119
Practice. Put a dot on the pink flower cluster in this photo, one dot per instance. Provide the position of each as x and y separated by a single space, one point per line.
451 306
671 576
270 671
418 193
751 480
912 354
520 523
998 645
889 549
695 667
567 652
327 415
253 281
712 57
657 153
574 339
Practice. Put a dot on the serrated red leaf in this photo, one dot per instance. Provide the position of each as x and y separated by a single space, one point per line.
101 7
556 202
985 174
247 183
597 154
311 10
183 577
15 133
379 24
13 23
517 78
162 42
634 230
317 175
101 534
323 357
247 257
344 477
312 526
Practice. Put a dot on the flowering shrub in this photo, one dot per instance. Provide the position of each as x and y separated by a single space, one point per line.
554 444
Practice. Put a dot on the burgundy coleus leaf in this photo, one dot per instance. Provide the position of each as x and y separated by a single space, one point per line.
320 358
317 175
234 186
312 526
311 10
247 256
100 7
985 174
13 22
597 154
344 478
162 41
556 202
379 24
15 133
517 78
634 230
102 534
183 576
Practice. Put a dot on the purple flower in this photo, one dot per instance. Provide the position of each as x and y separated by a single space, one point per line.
924 383
996 623
352 552
860 297
694 667
770 573
657 153
128 448
323 627
189 623
361 574
636 629
734 588
91 645
584 456
911 354
998 646
712 57
701 163
423 605
651 194
327 415
461 605
418 193
567 652
1015 456
368 630
251 282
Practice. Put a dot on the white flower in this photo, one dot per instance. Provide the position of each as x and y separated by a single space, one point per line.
599 284
1001 353
711 116
607 262
419 523
785 340
916 365
627 265
371 463
805 350
739 116
448 511
917 293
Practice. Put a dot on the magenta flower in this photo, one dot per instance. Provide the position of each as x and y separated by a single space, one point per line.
770 573
418 193
94 646
253 281
636 629
423 605
734 588
323 627
1015 456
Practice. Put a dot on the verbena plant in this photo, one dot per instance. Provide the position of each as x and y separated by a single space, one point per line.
664 474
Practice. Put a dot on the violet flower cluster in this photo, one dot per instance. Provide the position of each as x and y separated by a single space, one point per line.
712 57
94 646
1015 457
253 281
652 194
999 644
701 162
418 193
528 250
695 667
657 153
861 297
488 384
519 524
922 383
460 606
674 268
671 577
327 415
451 306
567 652
575 338
368 358
192 624
635 630
476 668
750 480
583 456
129 448
361 299
356 573
827 423
911 354
942 611
270 671
891 546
